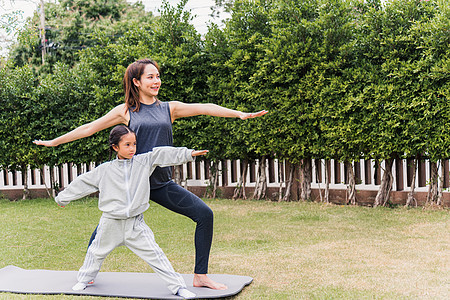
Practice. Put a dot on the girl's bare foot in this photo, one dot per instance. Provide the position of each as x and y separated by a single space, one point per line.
201 280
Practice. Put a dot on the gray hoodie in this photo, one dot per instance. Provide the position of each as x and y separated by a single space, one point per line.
123 184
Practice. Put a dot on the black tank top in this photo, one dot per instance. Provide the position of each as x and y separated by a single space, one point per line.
153 127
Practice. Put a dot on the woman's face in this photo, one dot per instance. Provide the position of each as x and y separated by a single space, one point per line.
149 83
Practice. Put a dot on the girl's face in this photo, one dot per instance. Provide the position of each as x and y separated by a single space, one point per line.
127 146
149 83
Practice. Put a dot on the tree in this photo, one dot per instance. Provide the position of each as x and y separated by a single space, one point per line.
335 107
16 100
431 71
286 72
10 23
73 25
388 51
234 53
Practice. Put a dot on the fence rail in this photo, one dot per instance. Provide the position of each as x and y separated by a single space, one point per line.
368 174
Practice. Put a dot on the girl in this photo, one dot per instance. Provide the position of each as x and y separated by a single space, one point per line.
124 188
152 120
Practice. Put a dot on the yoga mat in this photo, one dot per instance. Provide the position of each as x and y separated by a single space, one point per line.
110 284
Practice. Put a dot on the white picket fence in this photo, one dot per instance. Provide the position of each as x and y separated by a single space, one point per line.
368 173
196 174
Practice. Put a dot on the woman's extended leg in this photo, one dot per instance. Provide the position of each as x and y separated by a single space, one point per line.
93 236
177 199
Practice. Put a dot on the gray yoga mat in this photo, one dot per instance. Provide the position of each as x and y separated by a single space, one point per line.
110 284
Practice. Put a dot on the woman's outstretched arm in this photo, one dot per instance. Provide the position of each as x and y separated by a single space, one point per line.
114 117
180 110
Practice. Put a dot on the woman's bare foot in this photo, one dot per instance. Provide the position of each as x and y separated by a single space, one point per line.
201 280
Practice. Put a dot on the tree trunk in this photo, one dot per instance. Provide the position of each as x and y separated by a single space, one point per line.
49 193
280 180
216 177
432 196
261 181
52 181
318 179
411 193
26 191
287 196
327 181
441 185
239 191
386 184
305 173
213 179
178 174
351 187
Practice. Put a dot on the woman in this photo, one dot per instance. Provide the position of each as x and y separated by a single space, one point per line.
152 120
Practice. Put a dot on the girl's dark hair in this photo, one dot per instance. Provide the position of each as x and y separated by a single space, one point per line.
116 135
135 70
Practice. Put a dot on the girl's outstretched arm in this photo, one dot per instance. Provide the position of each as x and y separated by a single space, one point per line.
117 115
166 156
180 110
84 185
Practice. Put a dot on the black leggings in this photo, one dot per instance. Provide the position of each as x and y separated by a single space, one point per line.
180 200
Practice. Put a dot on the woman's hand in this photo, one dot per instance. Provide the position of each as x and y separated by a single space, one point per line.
45 143
199 152
245 116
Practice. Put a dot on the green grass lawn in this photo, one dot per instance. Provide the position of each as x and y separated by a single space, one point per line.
292 250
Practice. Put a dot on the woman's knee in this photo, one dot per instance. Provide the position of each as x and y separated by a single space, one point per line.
204 214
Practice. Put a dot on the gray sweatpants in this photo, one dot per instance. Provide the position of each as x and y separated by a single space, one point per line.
138 237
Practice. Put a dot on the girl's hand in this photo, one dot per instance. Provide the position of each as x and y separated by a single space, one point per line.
199 152
245 116
45 143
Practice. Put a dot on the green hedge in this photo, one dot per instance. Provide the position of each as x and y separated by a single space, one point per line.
340 79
